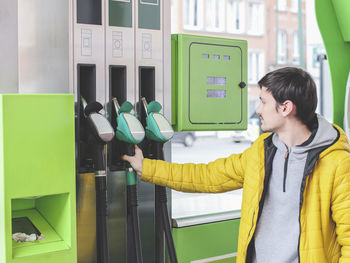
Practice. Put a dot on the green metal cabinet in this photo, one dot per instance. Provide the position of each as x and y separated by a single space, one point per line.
207 241
37 177
209 83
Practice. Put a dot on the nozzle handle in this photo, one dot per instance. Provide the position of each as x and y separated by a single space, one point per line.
145 104
116 105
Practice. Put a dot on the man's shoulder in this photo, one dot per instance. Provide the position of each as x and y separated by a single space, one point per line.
262 138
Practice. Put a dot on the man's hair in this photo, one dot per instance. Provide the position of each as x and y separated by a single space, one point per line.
296 85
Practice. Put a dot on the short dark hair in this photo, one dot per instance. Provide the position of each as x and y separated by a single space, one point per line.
296 85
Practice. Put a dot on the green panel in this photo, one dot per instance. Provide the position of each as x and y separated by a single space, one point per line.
21 204
338 52
206 73
59 217
3 252
38 160
149 14
174 79
342 11
204 70
227 260
120 13
207 241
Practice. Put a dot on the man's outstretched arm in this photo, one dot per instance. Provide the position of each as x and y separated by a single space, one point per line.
219 176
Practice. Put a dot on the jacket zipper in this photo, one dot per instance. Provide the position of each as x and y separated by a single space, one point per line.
302 188
286 157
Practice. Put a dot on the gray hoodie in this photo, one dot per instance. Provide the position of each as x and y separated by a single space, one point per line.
276 237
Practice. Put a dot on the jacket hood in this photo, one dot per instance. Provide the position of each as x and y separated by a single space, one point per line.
341 144
323 134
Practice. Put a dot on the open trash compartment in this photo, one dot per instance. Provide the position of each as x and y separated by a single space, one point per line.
47 217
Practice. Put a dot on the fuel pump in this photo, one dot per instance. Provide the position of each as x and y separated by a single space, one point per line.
159 131
101 132
130 130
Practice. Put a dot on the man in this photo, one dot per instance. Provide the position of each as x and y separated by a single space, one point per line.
295 178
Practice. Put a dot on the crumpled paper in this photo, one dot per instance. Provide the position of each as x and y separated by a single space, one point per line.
22 237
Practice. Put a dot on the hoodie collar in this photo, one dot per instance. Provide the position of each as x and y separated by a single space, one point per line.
323 134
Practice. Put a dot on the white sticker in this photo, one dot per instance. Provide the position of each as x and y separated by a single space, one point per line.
117 44
86 42
146 45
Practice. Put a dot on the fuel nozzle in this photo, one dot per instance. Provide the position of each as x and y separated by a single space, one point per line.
101 130
101 127
158 127
129 128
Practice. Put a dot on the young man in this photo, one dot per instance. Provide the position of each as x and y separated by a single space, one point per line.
295 178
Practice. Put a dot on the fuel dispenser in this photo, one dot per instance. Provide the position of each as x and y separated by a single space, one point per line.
136 35
159 130
153 78
131 132
88 67
101 132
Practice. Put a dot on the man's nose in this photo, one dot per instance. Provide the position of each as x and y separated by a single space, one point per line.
258 111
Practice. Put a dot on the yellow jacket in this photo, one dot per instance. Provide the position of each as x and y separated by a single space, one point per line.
325 206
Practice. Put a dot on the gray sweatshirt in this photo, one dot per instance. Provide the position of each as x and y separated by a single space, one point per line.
276 237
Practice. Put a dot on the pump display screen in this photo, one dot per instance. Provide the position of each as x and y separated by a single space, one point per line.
216 81
211 93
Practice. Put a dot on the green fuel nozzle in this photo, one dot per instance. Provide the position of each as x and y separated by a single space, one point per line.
129 128
158 127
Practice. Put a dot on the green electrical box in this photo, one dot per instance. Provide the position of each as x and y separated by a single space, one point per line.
209 83
37 178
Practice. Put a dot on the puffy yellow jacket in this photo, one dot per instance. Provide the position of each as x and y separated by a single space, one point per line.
325 206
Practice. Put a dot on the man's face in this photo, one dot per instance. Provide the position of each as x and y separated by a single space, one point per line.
269 111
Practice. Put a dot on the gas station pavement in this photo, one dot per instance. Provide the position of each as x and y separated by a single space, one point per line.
205 150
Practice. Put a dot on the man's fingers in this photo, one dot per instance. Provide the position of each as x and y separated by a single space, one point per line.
127 158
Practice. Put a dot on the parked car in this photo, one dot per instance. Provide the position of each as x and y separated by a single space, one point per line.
249 135
186 138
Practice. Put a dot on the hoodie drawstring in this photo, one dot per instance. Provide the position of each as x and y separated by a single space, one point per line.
286 157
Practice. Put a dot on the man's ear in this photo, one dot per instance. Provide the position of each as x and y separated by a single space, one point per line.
288 108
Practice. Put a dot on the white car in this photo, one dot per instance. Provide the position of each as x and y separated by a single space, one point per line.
249 135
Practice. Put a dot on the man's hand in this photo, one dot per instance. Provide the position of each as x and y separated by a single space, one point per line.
135 161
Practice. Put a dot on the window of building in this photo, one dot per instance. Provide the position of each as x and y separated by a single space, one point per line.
282 47
174 24
295 6
193 14
282 5
296 51
215 19
256 66
235 16
256 19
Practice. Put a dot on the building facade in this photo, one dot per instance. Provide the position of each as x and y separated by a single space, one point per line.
274 29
